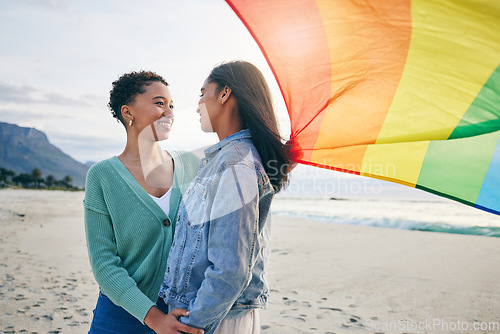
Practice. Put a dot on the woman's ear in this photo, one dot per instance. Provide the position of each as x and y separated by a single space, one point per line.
224 94
126 113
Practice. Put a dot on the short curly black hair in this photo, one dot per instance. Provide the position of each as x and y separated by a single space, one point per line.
127 87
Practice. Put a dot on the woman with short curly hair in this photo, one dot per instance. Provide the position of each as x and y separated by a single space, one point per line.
131 202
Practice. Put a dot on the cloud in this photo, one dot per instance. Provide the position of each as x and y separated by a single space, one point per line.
82 147
59 99
25 94
48 4
22 117
11 93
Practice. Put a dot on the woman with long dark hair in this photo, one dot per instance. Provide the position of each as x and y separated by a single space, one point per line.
217 263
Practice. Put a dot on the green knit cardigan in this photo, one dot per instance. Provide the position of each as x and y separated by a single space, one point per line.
128 234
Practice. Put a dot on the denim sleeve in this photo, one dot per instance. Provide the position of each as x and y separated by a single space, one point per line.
231 246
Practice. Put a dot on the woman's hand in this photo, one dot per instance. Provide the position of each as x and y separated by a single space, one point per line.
163 323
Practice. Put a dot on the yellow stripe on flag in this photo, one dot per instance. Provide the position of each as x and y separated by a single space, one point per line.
449 60
399 162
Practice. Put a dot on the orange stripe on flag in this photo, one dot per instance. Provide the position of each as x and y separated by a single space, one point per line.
368 46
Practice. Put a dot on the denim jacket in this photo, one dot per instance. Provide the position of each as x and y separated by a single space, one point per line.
217 263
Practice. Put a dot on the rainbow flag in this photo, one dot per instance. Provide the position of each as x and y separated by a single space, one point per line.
401 90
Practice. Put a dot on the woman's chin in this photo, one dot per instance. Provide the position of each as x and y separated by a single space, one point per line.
206 128
163 136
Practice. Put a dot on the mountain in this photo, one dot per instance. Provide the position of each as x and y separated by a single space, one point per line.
24 149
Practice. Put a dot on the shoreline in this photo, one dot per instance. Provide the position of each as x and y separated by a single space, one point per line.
441 215
323 277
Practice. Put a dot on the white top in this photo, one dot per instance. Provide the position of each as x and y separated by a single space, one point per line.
163 202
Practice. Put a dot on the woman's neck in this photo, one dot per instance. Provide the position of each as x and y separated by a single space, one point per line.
151 167
143 149
230 124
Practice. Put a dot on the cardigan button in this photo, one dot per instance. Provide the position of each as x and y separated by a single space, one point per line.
166 222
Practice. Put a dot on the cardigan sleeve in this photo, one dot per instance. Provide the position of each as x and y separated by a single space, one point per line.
112 278
190 165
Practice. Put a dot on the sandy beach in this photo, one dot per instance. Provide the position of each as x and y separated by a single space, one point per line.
324 277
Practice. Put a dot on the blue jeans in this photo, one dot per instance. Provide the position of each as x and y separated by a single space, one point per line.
110 319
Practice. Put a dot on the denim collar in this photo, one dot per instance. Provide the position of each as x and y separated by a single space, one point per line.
243 134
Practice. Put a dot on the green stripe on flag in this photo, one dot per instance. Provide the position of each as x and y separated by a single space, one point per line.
458 167
483 115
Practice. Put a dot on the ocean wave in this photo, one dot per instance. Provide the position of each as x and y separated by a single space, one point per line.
404 224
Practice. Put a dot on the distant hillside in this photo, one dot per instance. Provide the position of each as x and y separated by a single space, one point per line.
23 149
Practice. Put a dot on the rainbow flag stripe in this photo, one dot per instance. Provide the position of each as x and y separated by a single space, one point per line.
401 90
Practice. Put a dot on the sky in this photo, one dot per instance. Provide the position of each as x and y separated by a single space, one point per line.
59 58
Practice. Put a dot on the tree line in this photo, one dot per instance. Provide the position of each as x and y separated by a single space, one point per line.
34 180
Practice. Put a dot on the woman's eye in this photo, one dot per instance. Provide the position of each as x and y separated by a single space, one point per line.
159 103
171 107
201 95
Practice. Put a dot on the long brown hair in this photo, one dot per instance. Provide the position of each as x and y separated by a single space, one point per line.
256 112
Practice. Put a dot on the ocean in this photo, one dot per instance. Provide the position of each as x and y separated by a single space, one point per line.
340 198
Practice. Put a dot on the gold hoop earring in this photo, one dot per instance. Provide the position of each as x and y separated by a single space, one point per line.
130 122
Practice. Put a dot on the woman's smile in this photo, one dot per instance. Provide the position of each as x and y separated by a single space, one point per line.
165 122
